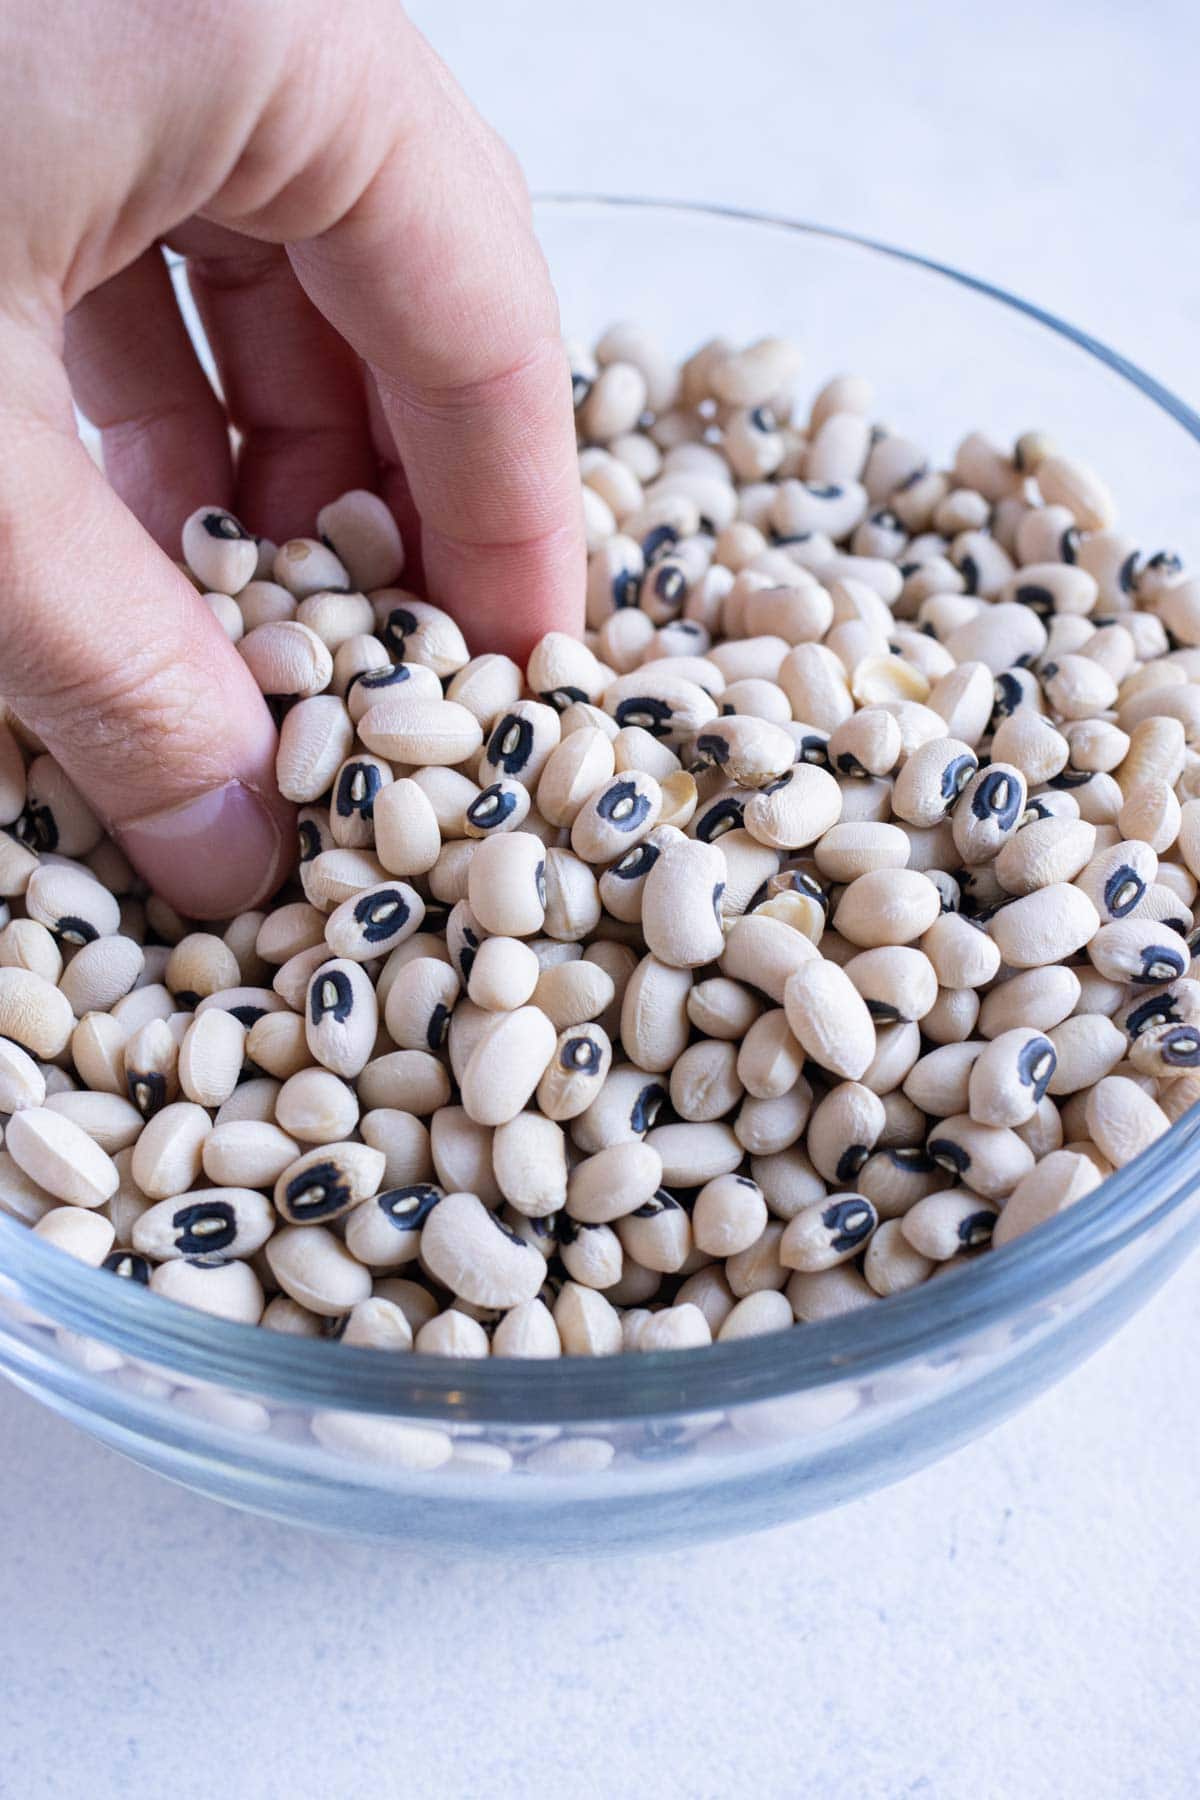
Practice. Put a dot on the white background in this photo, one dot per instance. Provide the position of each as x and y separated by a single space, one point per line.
1018 1623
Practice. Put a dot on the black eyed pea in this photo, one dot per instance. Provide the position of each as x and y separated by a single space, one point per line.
22 1083
363 535
572 993
1097 745
616 817
897 982
128 1266
1003 636
56 819
228 1289
750 751
1150 813
678 1327
291 979
199 965
1029 742
306 566
1059 1180
576 1072
939 1082
60 1157
520 743
763 1127
527 1330
843 1129
960 952
693 1154
755 1316
356 787
830 1019
328 1181
704 1082
287 658
1116 879
504 974
246 1153
416 632
253 1099
1040 998
829 1233
407 836
227 1221
572 897
1046 926
729 1214
218 550
287 932
314 1268
867 744
758 1266
507 1064
377 1324
1010 1077
337 875
632 748
108 1119
211 1057
1122 1120
315 739
765 952
942 1226
846 851
770 1060
506 884
657 1234
71 904
1142 951
895 1177
403 1140
87 1236
887 907
654 1020
167 1156
622 886
1165 1051
263 601
386 680
384 1232
681 904
530 1164
375 921
891 1264
990 1159
680 796
462 1152
418 730
1044 1132
795 810
1043 852
502 806
413 1077
478 1258
988 811
722 1008
342 1017
24 944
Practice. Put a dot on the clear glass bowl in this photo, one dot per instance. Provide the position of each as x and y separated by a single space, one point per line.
634 1451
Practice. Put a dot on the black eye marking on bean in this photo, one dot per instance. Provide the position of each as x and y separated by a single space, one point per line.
782 539
813 750
636 863
890 521
626 588
128 1265
660 1203
1128 572
726 814
545 1225
762 418
317 1192
73 930
1068 544
539 882
1038 599
915 1162
1180 1047
884 1013
669 584
999 797
1162 1009
661 538
439 1024
968 568
1122 891
718 891
711 747
511 744
976 1229
310 840
647 1106
223 525
1071 778
204 1226
849 764
381 914
824 490
562 697
407 1208
1161 963
850 1221
1036 809
247 1015
491 808
37 827
949 1155
851 1161
1036 1063
580 1056
654 716
333 995
357 789
581 387
1009 695
400 622
147 1091
623 805
186 1000
382 678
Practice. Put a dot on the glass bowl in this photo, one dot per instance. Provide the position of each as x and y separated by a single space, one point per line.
629 1452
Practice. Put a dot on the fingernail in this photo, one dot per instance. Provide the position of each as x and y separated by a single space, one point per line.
213 856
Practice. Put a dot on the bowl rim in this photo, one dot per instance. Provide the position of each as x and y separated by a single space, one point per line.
928 1321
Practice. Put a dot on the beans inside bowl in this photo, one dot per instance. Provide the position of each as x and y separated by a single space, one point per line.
823 919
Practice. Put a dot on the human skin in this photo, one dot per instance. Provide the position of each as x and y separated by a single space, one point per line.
359 246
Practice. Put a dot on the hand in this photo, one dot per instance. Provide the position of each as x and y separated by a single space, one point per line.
359 247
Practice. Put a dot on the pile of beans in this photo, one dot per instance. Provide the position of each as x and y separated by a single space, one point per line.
823 918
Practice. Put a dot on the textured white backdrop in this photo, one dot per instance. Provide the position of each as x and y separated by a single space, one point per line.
1018 1623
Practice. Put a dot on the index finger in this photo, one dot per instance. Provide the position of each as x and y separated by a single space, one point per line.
436 279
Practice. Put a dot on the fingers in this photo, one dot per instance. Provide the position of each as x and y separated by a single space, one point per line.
111 656
436 279
292 386
135 375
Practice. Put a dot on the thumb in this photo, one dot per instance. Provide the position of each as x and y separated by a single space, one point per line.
110 655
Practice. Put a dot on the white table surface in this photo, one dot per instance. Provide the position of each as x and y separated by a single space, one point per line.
1018 1621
